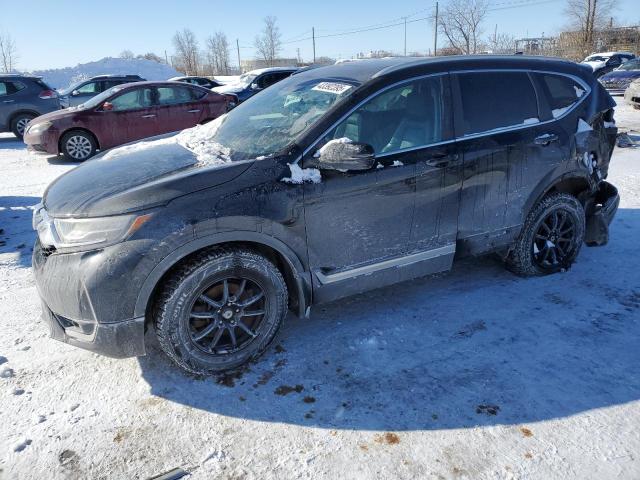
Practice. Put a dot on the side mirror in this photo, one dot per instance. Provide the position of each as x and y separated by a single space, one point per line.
346 156
107 106
255 86
75 93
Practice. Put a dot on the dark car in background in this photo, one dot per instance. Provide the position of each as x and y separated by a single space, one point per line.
617 81
86 89
200 81
23 98
254 81
335 181
123 114
605 62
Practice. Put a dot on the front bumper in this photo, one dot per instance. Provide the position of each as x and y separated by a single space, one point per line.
45 142
117 340
600 209
88 298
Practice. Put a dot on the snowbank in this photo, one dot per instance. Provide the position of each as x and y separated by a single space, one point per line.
148 69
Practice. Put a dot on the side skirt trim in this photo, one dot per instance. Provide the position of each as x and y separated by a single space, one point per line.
394 262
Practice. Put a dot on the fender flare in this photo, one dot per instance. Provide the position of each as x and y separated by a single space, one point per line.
547 184
293 262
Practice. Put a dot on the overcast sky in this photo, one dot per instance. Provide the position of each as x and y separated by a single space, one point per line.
64 33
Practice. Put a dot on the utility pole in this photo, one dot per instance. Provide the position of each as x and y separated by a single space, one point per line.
435 35
313 36
405 36
238 48
166 59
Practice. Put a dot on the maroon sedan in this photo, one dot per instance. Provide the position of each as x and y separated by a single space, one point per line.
123 114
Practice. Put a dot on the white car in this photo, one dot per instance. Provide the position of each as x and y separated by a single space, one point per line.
605 62
632 94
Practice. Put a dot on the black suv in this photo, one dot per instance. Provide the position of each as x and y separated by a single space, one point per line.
337 180
82 91
23 98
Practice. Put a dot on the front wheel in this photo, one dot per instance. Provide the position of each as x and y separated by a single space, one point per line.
551 237
220 310
19 124
78 145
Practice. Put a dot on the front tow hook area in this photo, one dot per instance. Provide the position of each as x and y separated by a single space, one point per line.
601 209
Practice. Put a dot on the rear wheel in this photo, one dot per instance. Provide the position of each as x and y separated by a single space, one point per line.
19 124
220 310
78 145
551 237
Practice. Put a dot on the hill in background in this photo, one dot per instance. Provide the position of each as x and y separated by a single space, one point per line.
63 77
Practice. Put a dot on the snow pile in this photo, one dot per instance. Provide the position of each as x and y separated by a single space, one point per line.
583 126
558 112
148 69
302 175
196 139
325 147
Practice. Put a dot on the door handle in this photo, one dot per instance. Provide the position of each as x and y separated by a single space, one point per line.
194 111
440 160
149 116
546 139
8 101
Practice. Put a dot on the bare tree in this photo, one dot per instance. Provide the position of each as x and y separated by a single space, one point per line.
502 43
461 23
127 55
8 52
588 16
218 57
187 55
153 57
269 42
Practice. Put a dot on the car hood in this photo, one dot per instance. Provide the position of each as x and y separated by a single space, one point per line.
229 88
621 75
55 115
136 176
595 65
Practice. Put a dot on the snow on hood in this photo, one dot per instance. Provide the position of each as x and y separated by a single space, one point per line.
144 174
232 88
594 65
197 140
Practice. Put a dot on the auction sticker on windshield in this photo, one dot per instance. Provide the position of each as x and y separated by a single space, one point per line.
332 87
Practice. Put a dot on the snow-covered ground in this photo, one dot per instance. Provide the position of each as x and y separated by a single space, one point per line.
477 374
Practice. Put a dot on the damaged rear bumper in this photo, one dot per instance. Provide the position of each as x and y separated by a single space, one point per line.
600 210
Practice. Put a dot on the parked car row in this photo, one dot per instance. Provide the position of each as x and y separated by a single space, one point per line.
110 110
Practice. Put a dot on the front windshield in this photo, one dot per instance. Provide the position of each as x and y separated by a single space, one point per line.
98 99
246 79
630 65
274 118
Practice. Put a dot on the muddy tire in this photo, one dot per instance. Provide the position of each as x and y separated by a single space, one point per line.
220 310
551 237
19 124
78 145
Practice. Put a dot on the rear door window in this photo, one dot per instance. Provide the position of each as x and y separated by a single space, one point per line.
133 100
174 95
560 92
496 100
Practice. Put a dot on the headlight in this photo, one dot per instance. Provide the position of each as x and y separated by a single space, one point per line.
39 127
83 233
